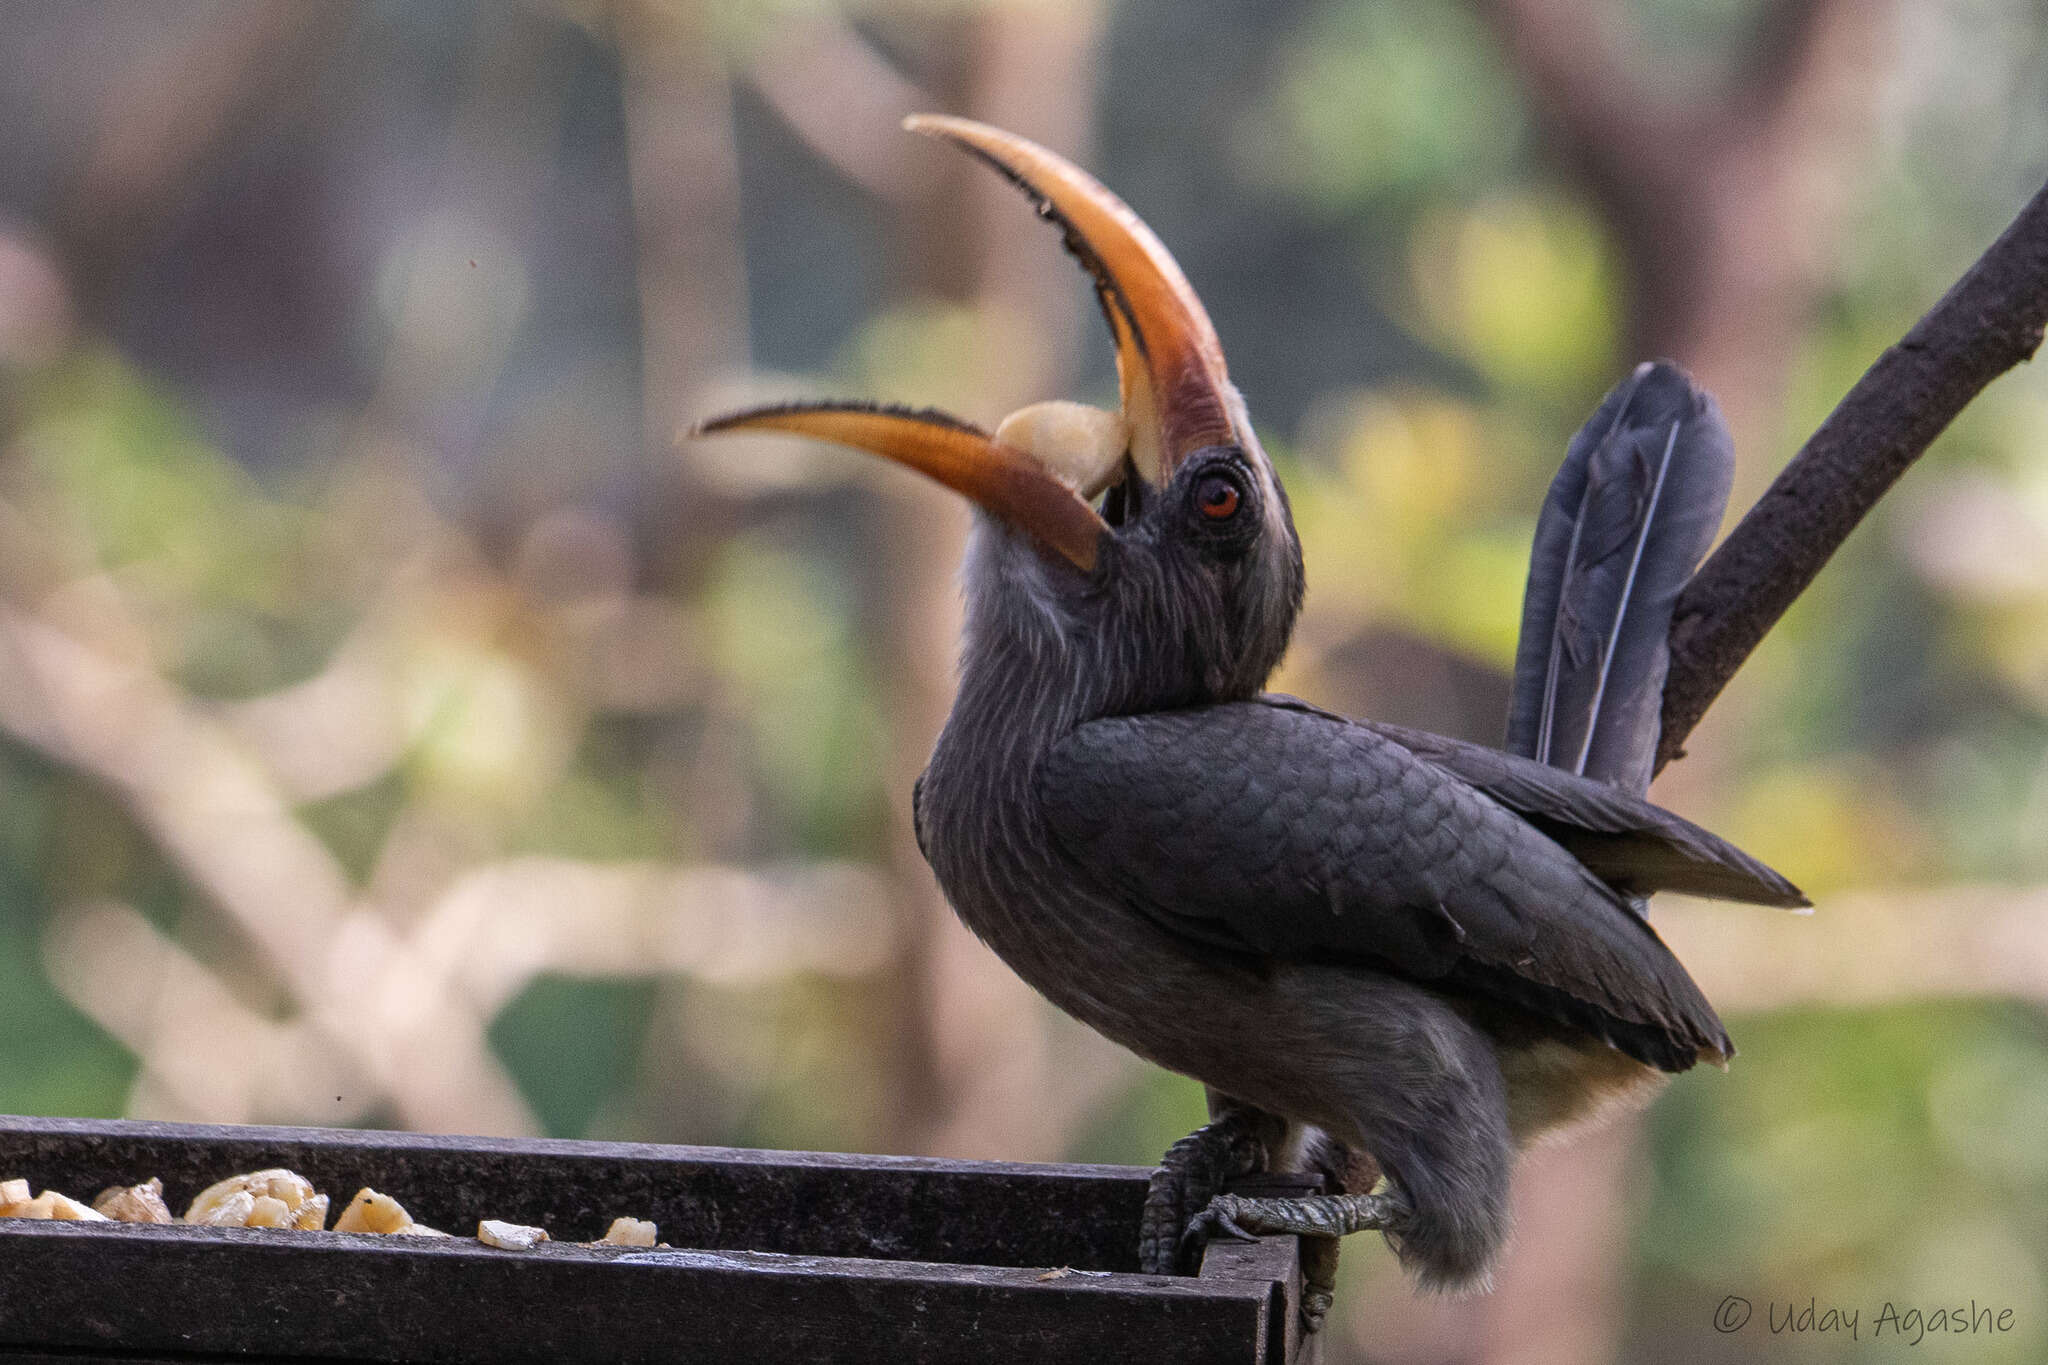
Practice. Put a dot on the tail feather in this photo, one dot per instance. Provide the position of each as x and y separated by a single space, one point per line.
1627 519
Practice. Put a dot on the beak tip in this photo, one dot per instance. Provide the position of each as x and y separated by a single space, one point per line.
721 423
964 132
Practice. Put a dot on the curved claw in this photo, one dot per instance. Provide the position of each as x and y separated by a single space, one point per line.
1320 1220
1315 1215
1220 1218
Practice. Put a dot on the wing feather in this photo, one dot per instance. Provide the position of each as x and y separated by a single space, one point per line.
1634 846
1290 834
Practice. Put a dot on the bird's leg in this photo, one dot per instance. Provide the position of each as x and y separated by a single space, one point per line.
1318 1280
1189 1177
1316 1215
1318 1219
1343 1170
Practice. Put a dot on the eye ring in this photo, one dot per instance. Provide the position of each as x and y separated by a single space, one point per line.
1217 497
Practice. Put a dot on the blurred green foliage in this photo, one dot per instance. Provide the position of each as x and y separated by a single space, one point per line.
52 1059
1888 1155
574 1047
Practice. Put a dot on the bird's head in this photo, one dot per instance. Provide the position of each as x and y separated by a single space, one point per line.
1147 556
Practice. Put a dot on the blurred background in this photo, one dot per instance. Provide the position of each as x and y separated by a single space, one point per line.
399 727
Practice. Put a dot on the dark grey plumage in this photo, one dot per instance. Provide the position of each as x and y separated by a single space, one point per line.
1631 511
1273 832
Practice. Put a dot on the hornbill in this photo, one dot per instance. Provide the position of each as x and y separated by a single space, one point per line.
1386 953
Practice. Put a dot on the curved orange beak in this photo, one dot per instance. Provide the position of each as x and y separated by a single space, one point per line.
1006 482
1174 385
1176 392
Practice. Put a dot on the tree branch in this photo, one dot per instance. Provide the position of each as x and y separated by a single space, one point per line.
1580 63
1991 320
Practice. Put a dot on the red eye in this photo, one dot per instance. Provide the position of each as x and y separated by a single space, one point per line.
1217 497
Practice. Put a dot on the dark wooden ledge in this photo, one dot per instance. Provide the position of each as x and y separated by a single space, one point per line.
775 1257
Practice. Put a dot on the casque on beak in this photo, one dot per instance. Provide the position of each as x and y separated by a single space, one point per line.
1046 463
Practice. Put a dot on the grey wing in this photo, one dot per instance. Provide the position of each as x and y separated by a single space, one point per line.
1630 844
1292 835
1635 847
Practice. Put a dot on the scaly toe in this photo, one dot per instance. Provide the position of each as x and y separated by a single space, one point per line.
1220 1219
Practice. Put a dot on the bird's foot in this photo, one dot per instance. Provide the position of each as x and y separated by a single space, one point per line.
1189 1177
1315 1215
1319 1219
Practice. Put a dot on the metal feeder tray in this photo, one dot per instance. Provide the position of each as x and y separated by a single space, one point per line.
772 1257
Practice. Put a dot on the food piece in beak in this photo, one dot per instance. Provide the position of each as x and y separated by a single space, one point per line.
1176 390
1047 462
1008 483
1082 447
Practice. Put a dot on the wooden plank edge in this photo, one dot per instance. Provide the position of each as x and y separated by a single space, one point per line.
81 1286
